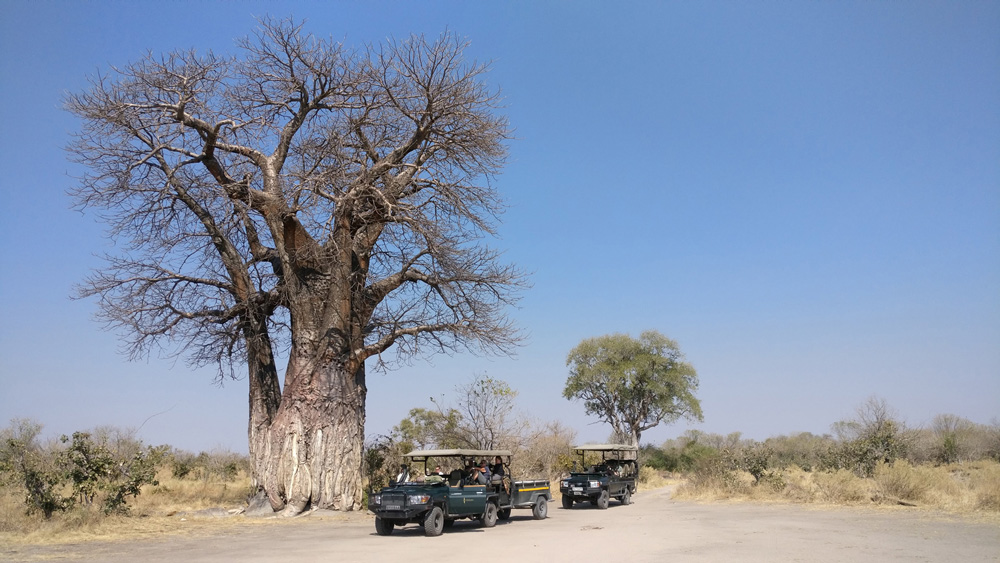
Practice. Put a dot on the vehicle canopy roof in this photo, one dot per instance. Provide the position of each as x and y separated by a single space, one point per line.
424 454
621 451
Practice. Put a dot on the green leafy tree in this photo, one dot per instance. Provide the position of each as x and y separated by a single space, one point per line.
429 428
633 384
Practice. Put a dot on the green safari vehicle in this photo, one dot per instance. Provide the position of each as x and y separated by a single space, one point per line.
613 477
435 500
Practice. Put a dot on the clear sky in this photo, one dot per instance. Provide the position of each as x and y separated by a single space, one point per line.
804 195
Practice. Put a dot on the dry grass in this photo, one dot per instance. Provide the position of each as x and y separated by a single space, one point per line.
156 511
969 488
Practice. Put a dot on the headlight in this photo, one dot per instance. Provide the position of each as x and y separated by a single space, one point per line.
595 484
419 499
377 499
565 484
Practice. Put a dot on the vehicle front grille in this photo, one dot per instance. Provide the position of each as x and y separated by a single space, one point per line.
393 501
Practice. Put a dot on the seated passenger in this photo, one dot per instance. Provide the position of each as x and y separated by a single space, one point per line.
497 469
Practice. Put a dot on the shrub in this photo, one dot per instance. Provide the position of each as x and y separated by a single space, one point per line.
901 481
841 486
24 462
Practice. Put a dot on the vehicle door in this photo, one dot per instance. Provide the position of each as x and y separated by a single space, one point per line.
466 499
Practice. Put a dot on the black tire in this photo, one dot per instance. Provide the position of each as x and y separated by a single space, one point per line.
489 518
627 497
602 501
434 522
541 509
504 514
383 527
567 502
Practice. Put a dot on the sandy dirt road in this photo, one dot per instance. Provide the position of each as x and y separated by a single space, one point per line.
655 528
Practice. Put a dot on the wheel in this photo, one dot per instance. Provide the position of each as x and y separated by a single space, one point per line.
541 509
602 501
504 514
383 527
489 518
627 497
567 501
434 522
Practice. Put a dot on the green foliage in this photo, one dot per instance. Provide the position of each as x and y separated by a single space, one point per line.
633 384
424 428
88 465
112 470
686 453
221 465
483 418
804 450
874 437
24 462
379 459
93 467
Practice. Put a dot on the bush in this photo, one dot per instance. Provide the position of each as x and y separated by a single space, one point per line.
901 481
23 461
87 467
841 487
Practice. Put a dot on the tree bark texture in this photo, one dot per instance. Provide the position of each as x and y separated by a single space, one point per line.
309 455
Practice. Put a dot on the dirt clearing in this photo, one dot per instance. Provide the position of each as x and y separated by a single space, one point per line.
655 528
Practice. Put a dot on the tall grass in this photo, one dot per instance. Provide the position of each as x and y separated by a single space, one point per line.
972 487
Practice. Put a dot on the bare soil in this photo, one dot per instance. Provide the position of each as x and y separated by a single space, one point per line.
654 528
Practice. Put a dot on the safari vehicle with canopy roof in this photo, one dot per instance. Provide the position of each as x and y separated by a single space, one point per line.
612 477
435 500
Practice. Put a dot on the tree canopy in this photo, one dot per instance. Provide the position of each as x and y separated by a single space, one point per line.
633 384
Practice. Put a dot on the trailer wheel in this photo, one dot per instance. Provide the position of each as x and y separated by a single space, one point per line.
541 509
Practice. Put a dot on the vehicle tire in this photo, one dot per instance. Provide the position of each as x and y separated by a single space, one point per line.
434 522
602 501
489 518
567 502
627 497
504 514
541 509
383 527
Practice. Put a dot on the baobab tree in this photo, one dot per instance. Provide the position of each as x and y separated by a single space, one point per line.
299 200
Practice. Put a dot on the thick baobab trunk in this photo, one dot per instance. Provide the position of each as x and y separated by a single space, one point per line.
310 454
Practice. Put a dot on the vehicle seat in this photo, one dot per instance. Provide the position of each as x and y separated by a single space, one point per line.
455 477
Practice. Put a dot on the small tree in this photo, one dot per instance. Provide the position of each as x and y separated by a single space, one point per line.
425 428
25 461
488 418
875 436
482 419
633 385
953 438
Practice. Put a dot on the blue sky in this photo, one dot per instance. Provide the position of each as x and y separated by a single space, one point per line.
806 196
